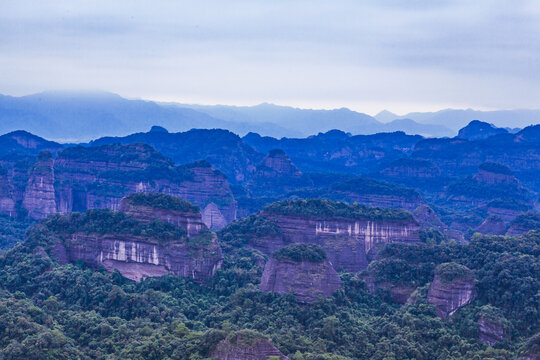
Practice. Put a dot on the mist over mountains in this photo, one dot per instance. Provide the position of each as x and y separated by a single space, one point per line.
81 116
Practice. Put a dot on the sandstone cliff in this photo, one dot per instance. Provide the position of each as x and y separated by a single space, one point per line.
346 232
98 177
490 325
7 204
246 345
451 289
302 270
411 169
39 198
136 249
276 174
149 207
427 218
524 223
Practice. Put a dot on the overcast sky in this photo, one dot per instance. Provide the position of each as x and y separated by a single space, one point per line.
410 55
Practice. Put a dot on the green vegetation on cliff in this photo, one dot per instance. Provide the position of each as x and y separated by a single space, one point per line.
162 201
529 220
450 272
321 208
105 221
301 252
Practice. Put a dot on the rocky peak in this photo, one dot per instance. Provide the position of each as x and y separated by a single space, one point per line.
302 270
159 129
451 289
7 205
493 225
246 345
39 197
147 207
479 130
277 161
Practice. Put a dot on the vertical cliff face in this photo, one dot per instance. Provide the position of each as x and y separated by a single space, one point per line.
245 345
39 197
133 246
149 207
451 289
276 174
490 332
301 270
346 232
98 177
7 204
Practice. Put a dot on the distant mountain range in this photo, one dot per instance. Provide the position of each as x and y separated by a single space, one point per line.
455 119
81 116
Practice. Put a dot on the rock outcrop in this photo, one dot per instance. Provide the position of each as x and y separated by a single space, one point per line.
246 345
301 270
149 207
411 169
531 349
451 289
494 173
119 242
98 177
490 325
399 293
493 225
346 232
7 204
39 196
276 174
427 218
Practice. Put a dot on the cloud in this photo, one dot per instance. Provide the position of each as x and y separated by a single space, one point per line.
366 55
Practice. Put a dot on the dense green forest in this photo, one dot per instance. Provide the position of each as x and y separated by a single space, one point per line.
49 311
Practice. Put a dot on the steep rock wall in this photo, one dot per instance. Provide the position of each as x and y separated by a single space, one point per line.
306 280
139 257
346 241
450 296
39 198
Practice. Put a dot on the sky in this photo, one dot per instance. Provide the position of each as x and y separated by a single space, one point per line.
410 55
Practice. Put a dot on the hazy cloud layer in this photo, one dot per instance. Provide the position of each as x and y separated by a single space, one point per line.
367 55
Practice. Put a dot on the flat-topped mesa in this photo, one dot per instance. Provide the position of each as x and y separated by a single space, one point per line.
246 345
493 225
39 197
494 173
137 249
302 270
147 207
451 289
346 232
98 177
376 193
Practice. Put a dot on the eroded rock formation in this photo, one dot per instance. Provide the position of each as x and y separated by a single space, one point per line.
39 196
451 289
493 225
304 277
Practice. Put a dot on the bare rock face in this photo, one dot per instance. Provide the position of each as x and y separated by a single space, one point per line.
7 204
493 225
149 207
276 174
213 217
134 255
39 197
306 278
244 345
490 331
427 218
345 235
99 177
494 173
451 289
399 294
